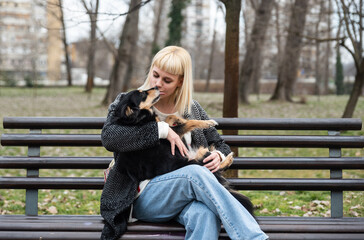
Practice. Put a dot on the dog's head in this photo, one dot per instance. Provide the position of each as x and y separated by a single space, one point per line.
136 107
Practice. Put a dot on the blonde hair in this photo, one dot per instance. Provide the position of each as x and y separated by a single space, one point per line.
177 61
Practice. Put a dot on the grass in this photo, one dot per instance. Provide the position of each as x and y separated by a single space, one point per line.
73 101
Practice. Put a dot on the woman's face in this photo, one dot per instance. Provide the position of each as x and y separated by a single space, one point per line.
165 82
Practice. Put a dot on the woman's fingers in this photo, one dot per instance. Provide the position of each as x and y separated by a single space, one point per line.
212 162
175 140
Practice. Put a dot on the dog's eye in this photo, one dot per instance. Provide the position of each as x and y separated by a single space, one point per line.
144 95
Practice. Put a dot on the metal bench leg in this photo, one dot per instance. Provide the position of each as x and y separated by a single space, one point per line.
31 195
337 210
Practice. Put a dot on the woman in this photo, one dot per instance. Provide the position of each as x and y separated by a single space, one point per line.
190 195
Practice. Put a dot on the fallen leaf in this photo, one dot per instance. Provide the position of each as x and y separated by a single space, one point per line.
52 210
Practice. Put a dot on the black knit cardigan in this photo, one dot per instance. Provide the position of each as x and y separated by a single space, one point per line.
120 189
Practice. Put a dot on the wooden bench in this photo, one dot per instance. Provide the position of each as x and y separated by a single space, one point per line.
34 226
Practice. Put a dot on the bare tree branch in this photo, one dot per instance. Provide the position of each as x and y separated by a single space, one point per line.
317 39
346 20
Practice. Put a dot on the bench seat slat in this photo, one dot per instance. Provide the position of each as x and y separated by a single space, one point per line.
306 141
239 162
31 235
76 235
143 227
261 219
318 184
224 123
89 227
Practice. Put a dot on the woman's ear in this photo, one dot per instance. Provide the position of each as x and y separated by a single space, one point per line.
180 81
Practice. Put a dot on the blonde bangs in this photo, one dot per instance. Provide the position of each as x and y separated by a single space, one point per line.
170 63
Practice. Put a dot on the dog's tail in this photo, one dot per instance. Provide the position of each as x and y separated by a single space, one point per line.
244 200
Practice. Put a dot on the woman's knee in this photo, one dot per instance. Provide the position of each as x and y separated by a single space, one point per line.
195 170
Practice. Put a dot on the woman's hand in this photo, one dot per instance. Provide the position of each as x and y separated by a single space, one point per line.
175 140
213 162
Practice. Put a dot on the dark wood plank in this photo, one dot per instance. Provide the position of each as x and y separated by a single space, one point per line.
239 162
316 184
73 140
224 123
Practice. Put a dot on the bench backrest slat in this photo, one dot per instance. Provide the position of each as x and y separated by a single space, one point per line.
239 162
224 123
238 183
239 141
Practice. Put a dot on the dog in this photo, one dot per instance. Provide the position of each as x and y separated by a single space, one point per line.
135 108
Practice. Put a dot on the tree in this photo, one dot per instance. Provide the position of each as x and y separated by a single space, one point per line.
65 46
328 49
251 66
230 105
126 52
352 17
175 25
339 75
56 25
158 17
318 85
92 12
211 58
287 72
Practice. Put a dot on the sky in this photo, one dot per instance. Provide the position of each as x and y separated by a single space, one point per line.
110 23
77 21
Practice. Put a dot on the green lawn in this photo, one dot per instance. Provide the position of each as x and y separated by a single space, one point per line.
73 101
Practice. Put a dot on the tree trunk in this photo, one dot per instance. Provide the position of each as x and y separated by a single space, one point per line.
158 17
230 105
209 68
92 49
287 72
65 46
251 66
318 75
278 33
126 50
350 12
356 92
211 59
327 51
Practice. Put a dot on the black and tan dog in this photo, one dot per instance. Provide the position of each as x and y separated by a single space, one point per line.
135 108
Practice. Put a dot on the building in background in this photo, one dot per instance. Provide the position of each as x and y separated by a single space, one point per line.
55 52
29 51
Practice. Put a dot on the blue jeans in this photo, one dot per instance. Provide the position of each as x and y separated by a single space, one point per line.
193 197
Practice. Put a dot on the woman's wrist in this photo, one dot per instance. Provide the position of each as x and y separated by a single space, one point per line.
163 128
221 155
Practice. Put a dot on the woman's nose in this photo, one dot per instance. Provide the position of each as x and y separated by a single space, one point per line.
158 83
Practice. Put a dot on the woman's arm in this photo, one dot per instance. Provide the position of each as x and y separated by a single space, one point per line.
118 138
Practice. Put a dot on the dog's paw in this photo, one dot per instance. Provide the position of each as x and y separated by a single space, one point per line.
212 123
227 162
